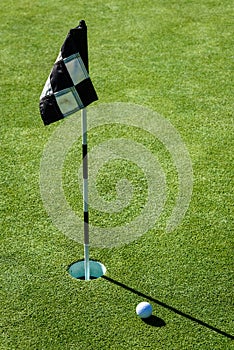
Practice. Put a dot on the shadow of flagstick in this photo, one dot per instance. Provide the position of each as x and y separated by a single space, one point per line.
171 308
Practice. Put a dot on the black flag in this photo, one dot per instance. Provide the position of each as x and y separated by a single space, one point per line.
68 87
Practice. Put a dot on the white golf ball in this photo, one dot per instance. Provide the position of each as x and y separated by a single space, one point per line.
144 309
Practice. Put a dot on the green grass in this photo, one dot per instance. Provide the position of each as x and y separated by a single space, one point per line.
175 57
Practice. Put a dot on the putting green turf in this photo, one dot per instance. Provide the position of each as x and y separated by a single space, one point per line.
176 58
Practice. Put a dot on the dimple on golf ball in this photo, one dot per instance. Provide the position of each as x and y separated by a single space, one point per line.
144 309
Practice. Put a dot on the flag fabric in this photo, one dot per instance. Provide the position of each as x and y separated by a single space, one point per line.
68 87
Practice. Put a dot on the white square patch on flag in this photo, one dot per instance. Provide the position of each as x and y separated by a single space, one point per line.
76 68
68 101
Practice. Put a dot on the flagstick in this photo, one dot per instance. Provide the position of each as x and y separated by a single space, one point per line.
85 193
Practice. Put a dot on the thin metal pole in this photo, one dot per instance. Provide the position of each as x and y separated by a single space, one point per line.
85 193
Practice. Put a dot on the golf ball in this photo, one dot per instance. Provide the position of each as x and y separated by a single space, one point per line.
144 309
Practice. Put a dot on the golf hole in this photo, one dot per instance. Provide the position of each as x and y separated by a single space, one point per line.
77 270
